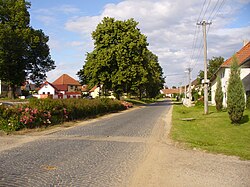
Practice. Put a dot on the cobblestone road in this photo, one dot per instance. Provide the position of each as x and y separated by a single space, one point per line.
103 153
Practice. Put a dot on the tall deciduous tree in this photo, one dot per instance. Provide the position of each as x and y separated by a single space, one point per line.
218 95
120 60
24 52
235 93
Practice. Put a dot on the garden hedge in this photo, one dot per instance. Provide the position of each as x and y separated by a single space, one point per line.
47 112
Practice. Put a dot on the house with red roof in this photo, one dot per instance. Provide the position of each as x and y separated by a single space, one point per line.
63 87
170 92
66 84
223 72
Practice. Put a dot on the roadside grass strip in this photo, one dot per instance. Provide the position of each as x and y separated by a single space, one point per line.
213 132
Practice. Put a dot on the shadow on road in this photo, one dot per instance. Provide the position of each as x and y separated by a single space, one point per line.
161 103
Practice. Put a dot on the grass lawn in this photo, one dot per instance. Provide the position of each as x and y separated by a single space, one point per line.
213 132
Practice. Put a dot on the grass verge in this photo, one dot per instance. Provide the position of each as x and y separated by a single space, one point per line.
213 132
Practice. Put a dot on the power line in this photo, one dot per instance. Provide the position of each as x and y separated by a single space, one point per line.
201 11
175 74
213 9
220 6
196 34
206 9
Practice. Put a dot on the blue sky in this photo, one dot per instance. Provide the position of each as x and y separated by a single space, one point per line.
169 25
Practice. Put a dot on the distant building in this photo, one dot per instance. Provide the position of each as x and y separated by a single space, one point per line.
63 87
170 92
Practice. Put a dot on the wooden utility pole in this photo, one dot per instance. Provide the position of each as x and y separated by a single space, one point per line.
189 84
204 24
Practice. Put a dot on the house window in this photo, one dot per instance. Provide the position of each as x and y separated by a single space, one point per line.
48 93
71 87
222 74
43 92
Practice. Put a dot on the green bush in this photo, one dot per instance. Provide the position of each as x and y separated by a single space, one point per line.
200 102
235 94
248 102
9 118
218 95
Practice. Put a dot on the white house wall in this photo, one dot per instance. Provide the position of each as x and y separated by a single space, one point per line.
245 77
95 93
47 89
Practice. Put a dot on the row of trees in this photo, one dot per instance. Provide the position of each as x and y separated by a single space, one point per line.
24 53
121 61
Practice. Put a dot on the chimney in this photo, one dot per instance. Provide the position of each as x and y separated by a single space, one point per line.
245 42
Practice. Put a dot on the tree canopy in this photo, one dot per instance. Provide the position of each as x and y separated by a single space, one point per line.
121 61
213 66
24 52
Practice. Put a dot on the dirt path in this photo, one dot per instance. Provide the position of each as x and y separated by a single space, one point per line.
168 165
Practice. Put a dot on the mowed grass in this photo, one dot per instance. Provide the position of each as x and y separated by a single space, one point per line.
213 132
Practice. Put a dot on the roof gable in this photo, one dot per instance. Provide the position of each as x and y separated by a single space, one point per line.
243 54
47 83
65 80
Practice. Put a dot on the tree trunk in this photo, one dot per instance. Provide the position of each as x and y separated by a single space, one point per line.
11 92
140 93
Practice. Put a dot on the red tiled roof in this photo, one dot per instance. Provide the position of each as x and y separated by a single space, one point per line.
61 87
46 82
93 89
65 79
243 54
170 91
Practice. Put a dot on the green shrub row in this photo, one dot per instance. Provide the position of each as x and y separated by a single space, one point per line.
47 112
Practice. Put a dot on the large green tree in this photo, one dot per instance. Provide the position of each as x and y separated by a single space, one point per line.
235 93
213 66
24 52
155 79
121 61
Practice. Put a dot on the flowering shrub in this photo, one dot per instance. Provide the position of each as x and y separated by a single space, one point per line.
31 118
47 112
127 104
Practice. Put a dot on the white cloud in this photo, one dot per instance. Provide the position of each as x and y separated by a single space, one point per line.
170 27
83 25
46 20
50 15
76 43
68 9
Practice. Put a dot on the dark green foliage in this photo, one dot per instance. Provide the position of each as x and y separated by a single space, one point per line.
235 93
47 112
199 103
248 102
24 52
218 95
121 61
213 66
195 94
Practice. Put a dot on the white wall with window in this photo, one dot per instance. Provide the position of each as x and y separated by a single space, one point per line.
47 89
